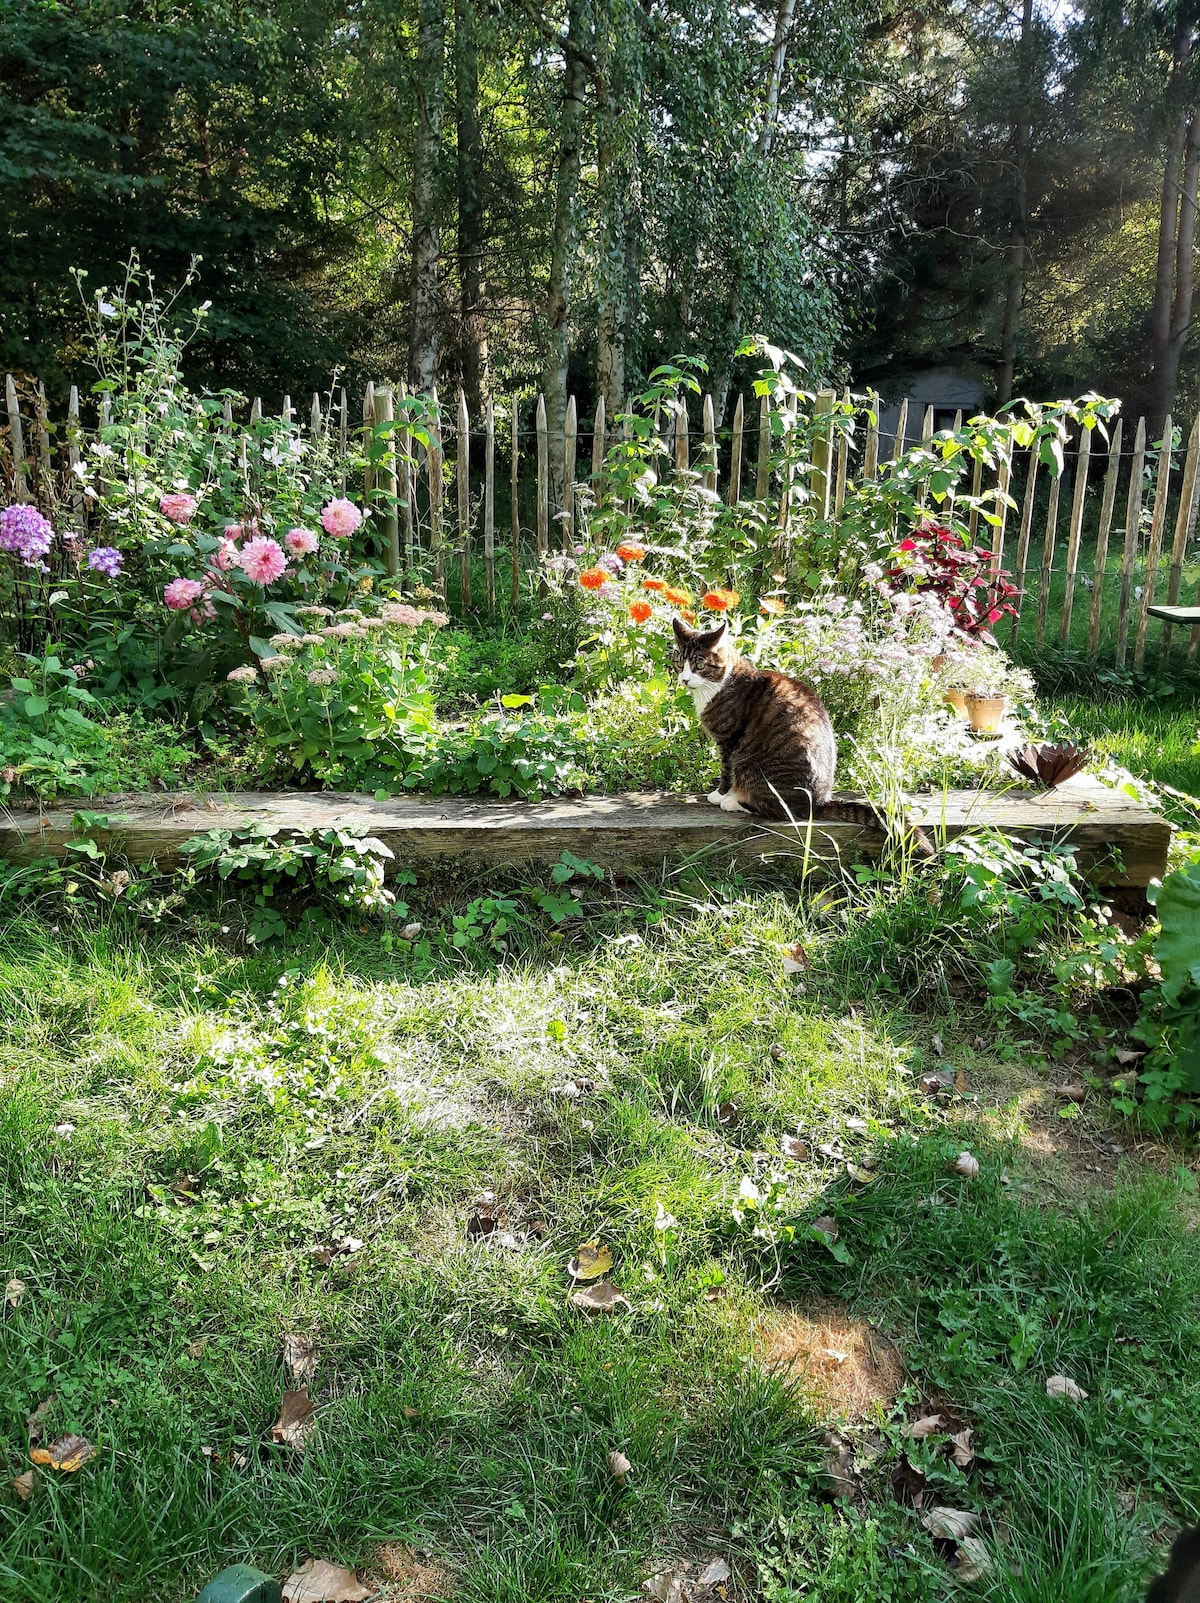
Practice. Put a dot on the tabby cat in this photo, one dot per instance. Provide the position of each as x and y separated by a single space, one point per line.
1181 1583
777 745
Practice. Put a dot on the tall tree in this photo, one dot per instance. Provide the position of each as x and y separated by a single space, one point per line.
575 56
1014 283
426 198
471 217
1171 311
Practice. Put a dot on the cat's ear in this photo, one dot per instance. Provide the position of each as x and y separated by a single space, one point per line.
713 637
682 633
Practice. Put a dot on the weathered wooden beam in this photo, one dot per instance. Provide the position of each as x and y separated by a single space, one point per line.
617 831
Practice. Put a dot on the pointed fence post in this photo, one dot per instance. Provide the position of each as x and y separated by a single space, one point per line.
1162 488
343 438
1100 560
1047 560
516 508
462 466
710 446
735 452
316 422
74 436
900 438
1075 532
16 437
681 436
871 448
762 477
433 464
41 428
387 519
1185 523
368 412
822 448
1024 538
405 481
489 504
1133 524
543 480
598 447
570 444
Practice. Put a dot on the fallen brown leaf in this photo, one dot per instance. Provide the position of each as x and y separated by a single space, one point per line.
411 1413
974 1560
1070 1093
667 1586
484 1221
925 1426
936 1081
1064 1386
795 959
908 1481
13 1292
591 1260
34 1422
296 1422
1126 1056
300 1358
950 1524
796 1148
935 1042
827 1225
321 1254
318 1581
839 1466
65 1453
619 1466
863 1176
964 1453
715 1573
600 1299
967 1164
727 1113
23 1485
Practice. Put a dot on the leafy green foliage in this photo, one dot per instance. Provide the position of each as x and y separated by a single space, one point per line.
1169 1022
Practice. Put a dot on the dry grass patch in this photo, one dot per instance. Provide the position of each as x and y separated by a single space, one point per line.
406 1576
841 1361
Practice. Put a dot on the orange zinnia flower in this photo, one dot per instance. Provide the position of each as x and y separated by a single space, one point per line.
773 604
677 598
654 584
631 553
718 600
640 611
594 578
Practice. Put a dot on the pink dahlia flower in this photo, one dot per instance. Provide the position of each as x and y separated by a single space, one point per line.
179 508
301 542
181 594
204 613
262 560
340 518
226 555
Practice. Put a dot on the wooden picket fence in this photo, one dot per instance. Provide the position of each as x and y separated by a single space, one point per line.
1157 497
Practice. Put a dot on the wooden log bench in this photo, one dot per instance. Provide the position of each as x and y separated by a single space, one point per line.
620 832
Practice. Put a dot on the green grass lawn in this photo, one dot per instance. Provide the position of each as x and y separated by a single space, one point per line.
205 1148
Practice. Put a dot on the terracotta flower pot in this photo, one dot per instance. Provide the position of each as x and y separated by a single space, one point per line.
939 662
956 697
985 713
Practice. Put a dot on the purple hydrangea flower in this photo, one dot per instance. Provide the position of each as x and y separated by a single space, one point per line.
24 531
105 559
611 561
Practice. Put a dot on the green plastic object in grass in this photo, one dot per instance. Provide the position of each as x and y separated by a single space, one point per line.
241 1583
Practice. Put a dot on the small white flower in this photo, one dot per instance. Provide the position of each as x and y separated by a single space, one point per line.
107 309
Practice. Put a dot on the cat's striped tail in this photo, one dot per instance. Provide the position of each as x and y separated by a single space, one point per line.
841 810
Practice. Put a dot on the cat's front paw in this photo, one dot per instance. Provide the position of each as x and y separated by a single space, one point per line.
730 804
715 797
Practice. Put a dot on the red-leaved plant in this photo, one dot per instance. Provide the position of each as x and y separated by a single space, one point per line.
939 560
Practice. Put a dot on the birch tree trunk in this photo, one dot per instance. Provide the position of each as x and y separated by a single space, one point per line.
426 245
1014 293
763 142
566 188
614 184
472 289
1171 311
